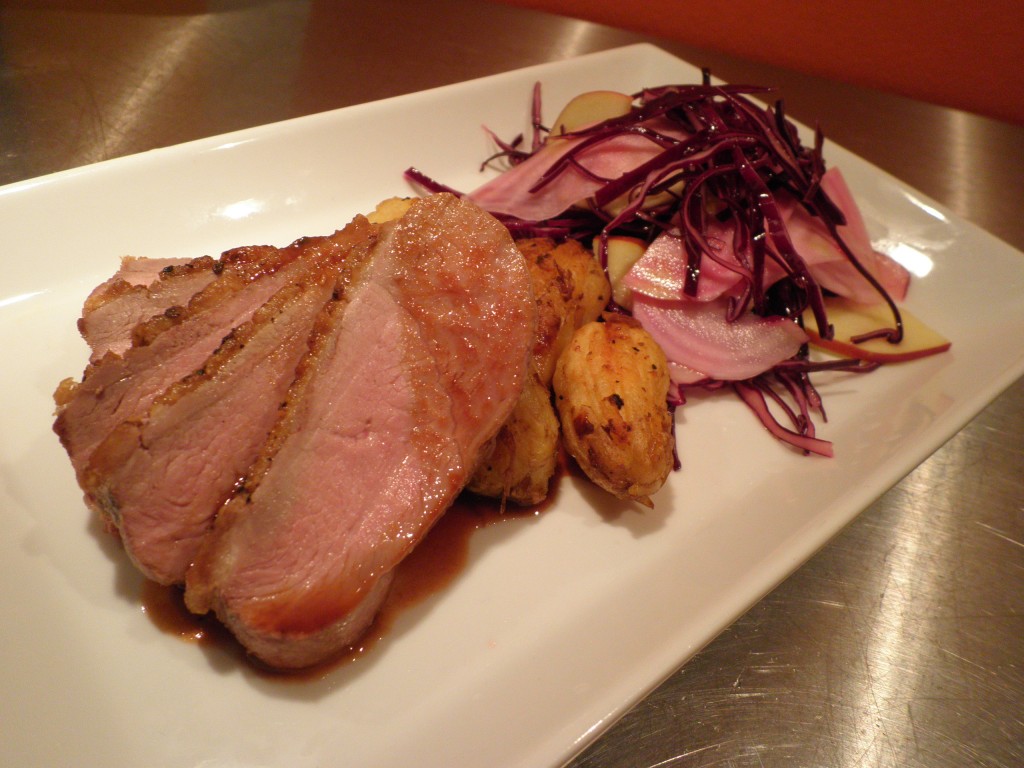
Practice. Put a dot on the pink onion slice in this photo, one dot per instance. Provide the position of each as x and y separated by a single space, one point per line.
518 192
661 272
697 335
510 193
826 261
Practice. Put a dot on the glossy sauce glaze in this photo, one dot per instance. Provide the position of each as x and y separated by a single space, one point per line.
435 563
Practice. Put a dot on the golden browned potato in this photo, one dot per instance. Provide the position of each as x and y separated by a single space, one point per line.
590 287
611 385
553 287
524 455
389 210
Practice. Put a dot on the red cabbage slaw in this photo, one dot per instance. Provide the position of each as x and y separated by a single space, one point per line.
685 162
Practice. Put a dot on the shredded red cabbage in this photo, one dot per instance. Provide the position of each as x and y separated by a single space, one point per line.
733 159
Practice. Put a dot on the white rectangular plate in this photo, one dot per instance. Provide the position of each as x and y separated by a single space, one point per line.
558 622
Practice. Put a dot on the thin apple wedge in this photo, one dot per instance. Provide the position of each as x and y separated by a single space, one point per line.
589 108
851 320
622 254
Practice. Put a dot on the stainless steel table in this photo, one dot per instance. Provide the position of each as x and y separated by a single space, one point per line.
902 642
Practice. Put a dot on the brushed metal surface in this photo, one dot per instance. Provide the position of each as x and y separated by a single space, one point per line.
901 643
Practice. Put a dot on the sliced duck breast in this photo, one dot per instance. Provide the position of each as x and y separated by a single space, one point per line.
160 478
116 307
172 346
136 270
409 375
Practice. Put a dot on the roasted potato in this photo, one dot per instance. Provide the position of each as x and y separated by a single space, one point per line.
611 385
553 287
591 289
390 209
572 289
524 455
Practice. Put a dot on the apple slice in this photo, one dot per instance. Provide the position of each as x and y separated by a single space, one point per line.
623 253
850 320
589 108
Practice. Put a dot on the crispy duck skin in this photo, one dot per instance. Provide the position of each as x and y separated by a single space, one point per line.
172 346
136 294
160 479
133 270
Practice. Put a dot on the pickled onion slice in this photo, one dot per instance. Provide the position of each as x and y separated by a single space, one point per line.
697 335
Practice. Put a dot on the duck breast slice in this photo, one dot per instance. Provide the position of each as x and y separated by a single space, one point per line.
118 305
409 375
169 347
161 478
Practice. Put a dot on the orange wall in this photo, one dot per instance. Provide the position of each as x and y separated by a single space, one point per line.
950 52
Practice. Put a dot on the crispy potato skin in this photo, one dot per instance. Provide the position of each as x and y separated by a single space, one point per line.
553 288
524 455
611 385
571 288
591 289
610 381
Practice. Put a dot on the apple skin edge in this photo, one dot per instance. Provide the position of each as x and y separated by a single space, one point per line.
589 108
850 320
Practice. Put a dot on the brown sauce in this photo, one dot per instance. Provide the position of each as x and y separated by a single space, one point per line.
165 607
434 564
